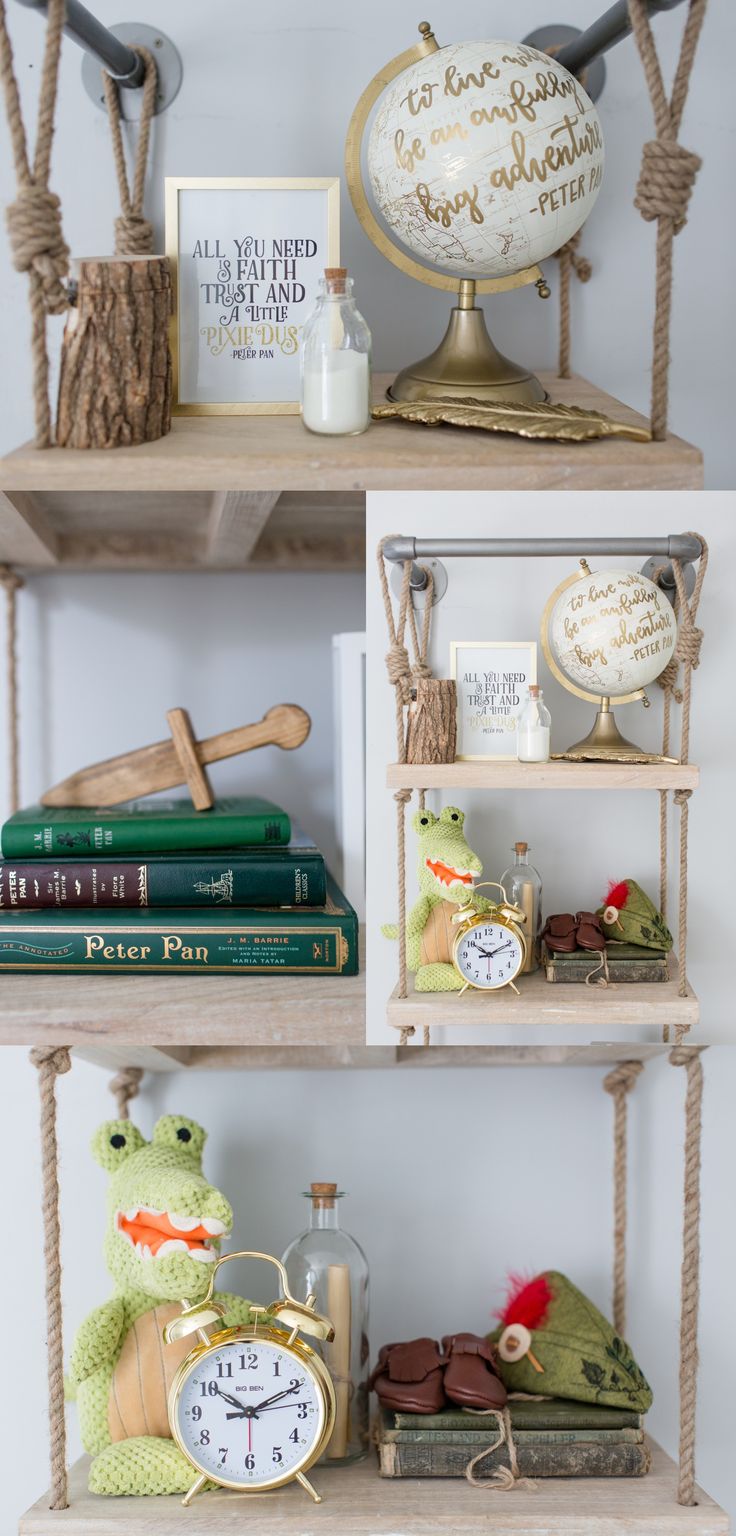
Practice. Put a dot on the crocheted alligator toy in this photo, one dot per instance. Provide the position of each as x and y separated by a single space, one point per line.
164 1226
447 869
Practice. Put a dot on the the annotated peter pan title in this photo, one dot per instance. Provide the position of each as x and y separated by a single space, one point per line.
253 294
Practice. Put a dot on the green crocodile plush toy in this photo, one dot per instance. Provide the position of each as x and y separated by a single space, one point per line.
447 870
164 1225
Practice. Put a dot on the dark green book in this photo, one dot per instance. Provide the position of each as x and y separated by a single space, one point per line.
626 963
254 877
534 1461
476 1434
143 826
528 1413
287 939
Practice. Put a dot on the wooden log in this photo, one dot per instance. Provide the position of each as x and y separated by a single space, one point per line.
432 725
115 379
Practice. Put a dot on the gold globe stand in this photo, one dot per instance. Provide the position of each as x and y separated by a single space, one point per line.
466 365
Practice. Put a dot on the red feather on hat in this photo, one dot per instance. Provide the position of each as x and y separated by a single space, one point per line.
618 894
528 1302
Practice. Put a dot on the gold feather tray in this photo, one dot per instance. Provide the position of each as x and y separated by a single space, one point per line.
566 423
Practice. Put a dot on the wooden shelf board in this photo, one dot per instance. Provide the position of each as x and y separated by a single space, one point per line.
264 530
551 1004
542 776
114 1054
359 1501
223 453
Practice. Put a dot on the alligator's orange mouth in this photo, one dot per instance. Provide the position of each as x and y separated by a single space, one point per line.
447 875
153 1234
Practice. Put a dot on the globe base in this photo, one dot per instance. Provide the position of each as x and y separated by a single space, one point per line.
606 744
467 366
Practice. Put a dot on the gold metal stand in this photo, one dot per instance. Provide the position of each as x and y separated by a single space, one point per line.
466 364
606 744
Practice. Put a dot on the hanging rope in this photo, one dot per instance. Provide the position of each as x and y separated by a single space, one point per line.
570 262
12 582
124 1087
619 1084
688 1056
401 673
666 180
50 1062
133 232
34 219
686 655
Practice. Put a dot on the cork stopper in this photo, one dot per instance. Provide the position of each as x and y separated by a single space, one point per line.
323 1196
534 690
521 847
335 278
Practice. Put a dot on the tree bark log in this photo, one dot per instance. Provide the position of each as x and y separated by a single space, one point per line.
115 380
432 727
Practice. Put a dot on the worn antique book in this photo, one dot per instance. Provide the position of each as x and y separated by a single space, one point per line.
577 1460
476 1435
295 939
626 963
143 826
527 1413
254 877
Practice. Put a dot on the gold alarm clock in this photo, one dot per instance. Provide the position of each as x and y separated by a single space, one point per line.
252 1407
490 947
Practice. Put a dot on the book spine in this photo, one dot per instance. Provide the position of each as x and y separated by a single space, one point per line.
618 971
525 1416
267 881
474 1439
142 834
396 1460
324 943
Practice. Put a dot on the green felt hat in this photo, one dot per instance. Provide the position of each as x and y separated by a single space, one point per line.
631 918
548 1321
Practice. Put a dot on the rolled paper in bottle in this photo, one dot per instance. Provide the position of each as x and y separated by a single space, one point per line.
339 1312
336 393
525 900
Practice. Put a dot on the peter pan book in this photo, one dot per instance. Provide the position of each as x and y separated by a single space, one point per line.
212 939
143 826
242 877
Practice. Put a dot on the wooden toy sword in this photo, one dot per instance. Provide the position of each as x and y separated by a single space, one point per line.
179 761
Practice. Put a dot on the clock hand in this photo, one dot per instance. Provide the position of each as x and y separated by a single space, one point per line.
234 1401
287 1392
254 1409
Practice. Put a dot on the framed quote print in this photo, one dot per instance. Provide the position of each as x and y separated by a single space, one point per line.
492 679
247 254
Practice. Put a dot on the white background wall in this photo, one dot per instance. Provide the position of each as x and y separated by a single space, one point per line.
270 92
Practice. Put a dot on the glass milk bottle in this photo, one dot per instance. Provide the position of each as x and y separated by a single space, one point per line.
326 1260
523 885
533 729
336 360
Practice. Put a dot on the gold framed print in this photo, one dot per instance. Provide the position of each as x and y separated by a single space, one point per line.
247 254
492 679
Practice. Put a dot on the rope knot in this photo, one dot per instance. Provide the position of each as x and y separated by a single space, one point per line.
623 1076
689 644
668 679
10 580
124 1087
54 1056
421 669
398 668
683 1055
681 797
133 235
37 242
582 267
402 796
666 181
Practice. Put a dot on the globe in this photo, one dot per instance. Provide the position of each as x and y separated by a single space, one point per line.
485 157
610 633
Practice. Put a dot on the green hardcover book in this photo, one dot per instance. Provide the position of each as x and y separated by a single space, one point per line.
255 877
528 1413
626 963
533 1460
143 826
286 939
475 1438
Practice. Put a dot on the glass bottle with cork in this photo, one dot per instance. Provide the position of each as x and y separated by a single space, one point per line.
336 360
523 885
328 1261
533 730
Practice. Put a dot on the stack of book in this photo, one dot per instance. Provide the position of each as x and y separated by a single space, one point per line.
157 886
552 1437
624 963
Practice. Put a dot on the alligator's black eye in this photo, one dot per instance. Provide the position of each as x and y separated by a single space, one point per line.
117 1140
454 816
424 821
183 1134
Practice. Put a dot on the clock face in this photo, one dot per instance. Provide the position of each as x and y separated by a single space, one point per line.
489 955
250 1413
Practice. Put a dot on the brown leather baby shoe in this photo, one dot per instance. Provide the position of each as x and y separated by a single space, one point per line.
408 1377
559 933
470 1376
589 932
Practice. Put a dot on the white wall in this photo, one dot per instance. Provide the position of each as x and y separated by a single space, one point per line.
270 92
578 841
454 1178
